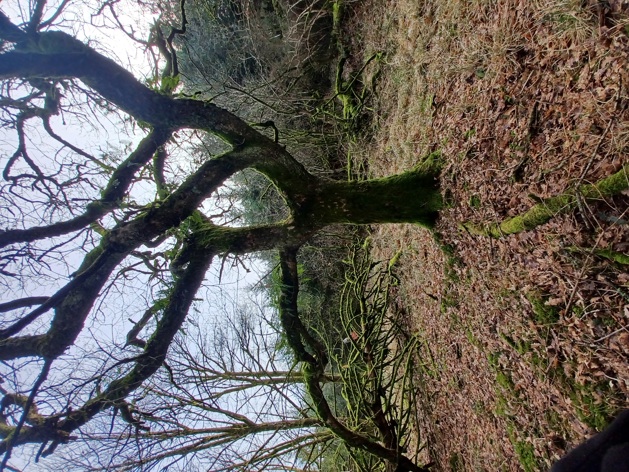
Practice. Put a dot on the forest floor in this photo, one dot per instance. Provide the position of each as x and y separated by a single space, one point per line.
525 339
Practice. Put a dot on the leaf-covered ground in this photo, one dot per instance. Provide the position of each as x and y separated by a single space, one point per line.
525 339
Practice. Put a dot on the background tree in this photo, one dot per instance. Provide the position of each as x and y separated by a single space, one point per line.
225 401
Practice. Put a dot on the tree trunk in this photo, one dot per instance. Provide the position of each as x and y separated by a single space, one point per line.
412 197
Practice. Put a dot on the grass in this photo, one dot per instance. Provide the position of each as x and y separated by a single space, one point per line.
520 346
525 453
456 462
591 406
506 396
503 378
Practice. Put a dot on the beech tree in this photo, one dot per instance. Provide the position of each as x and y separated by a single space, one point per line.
61 201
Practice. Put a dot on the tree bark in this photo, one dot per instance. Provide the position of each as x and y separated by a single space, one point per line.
550 207
412 197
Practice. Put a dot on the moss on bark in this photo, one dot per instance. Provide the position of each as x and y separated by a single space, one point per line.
411 197
549 207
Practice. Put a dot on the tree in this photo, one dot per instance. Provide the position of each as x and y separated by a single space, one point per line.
105 254
162 236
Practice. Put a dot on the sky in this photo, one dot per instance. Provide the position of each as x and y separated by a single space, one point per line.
108 134
79 19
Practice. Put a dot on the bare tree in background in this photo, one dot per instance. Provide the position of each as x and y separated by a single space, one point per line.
225 404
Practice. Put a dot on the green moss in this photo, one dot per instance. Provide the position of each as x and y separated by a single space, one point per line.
503 379
543 314
410 197
594 402
526 456
471 338
493 358
474 201
540 362
615 256
456 462
549 207
524 450
448 301
591 406
431 164
501 409
521 346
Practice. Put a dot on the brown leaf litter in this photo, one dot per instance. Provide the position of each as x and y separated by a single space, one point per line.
525 339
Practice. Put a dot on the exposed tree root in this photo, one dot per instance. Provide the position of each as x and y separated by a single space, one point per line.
550 207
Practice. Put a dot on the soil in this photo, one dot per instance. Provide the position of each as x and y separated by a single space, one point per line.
525 338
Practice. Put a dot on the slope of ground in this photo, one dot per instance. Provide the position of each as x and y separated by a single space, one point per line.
525 344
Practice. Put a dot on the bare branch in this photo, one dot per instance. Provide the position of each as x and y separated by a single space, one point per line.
21 303
111 196
10 32
8 444
36 17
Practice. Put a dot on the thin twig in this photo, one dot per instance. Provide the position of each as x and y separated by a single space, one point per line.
27 406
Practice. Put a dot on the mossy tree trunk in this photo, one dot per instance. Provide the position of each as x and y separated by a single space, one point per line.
412 197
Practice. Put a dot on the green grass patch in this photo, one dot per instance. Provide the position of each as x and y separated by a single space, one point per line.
503 378
456 462
471 338
614 256
520 346
448 301
591 405
593 402
475 201
524 450
543 314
